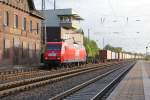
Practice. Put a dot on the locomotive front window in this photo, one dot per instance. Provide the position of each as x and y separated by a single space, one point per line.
53 47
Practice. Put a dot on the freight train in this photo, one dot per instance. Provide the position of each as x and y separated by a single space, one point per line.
107 55
65 54
62 54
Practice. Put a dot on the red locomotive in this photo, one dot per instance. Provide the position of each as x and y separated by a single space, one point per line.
62 53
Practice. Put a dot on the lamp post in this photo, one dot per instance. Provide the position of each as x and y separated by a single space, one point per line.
147 46
146 50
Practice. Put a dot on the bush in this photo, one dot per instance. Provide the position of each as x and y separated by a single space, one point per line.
91 47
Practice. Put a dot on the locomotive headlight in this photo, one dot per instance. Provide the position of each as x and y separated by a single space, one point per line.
58 58
52 54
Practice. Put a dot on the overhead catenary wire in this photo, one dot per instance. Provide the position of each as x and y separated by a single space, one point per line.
111 7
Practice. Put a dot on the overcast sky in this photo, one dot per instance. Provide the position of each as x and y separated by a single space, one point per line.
126 22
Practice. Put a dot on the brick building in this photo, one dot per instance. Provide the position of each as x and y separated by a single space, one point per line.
63 24
20 32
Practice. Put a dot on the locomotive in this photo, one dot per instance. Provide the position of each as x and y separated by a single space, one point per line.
64 54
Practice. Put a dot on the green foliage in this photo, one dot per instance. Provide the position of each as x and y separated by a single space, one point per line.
91 47
114 49
147 58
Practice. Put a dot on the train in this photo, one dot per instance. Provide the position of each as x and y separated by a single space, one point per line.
65 54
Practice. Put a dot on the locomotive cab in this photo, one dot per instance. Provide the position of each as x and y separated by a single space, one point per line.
52 54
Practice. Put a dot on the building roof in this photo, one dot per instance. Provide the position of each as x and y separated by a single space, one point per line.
66 12
52 16
32 10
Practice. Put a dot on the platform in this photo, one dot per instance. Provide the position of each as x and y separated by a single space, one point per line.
135 85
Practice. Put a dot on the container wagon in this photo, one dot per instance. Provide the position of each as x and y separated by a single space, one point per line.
105 55
113 56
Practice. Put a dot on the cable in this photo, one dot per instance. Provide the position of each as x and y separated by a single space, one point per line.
111 7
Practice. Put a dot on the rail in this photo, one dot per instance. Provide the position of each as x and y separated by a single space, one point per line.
13 87
83 85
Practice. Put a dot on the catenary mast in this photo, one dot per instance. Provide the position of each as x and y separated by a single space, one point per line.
43 35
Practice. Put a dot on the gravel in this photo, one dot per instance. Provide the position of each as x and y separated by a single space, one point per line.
50 90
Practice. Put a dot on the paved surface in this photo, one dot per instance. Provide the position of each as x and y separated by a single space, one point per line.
136 85
88 92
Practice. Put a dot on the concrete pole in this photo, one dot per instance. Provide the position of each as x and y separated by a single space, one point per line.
44 33
54 4
88 34
103 43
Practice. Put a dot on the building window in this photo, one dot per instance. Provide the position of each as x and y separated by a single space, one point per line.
16 21
37 28
6 48
61 19
24 24
30 26
6 18
20 1
30 50
24 50
35 48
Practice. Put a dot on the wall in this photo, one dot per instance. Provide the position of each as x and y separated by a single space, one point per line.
18 40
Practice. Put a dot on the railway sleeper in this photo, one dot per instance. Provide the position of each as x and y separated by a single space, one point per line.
14 84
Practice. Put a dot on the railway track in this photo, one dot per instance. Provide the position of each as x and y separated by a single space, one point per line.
15 75
96 88
7 75
26 84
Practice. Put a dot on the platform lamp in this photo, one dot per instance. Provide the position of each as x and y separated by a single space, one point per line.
146 50
147 46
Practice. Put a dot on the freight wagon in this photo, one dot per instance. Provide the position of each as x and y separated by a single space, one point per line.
105 55
117 56
120 56
113 56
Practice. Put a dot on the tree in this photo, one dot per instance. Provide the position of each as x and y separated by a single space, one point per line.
111 48
91 47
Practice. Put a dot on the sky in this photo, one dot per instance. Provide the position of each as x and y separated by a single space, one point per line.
126 23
